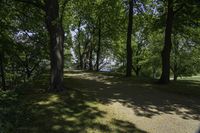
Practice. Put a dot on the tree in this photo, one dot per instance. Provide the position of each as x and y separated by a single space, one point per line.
53 21
128 44
56 34
165 76
173 8
2 69
99 45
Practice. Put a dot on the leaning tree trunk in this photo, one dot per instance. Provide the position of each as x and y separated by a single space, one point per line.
56 33
165 77
2 70
128 45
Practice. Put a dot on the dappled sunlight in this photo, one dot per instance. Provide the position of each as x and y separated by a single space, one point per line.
52 99
142 100
91 76
136 96
90 104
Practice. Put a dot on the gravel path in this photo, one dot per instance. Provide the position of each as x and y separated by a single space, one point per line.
164 123
147 108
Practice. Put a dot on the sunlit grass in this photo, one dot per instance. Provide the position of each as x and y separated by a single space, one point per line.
195 78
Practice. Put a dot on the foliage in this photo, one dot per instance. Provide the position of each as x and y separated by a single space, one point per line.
99 27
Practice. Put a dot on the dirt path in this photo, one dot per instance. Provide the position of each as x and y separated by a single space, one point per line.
140 103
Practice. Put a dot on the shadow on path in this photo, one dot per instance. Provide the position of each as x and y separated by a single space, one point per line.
76 110
145 98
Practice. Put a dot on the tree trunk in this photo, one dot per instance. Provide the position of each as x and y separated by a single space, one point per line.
28 73
79 46
90 57
175 71
175 77
99 46
165 77
137 71
153 72
2 70
56 33
138 67
128 45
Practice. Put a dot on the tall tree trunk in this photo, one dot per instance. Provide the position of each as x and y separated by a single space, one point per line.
79 46
56 33
84 54
90 56
165 77
99 46
2 70
128 45
138 67
175 69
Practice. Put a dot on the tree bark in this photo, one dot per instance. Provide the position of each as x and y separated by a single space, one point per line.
56 33
128 45
153 72
99 46
138 71
90 57
138 67
2 70
79 46
175 77
165 76
175 69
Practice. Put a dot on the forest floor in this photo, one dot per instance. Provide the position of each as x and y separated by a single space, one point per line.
105 103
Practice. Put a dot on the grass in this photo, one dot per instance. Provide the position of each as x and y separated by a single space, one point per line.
188 86
84 106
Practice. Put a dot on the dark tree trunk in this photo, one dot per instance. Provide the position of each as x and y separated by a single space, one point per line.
165 77
87 57
98 47
81 62
56 33
2 70
175 77
153 72
138 67
28 73
90 57
84 54
128 45
175 69
137 72
79 46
